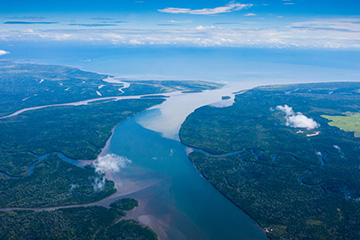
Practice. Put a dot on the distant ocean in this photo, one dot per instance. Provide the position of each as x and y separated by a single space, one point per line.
214 64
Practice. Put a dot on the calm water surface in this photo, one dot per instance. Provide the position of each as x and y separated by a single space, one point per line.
174 199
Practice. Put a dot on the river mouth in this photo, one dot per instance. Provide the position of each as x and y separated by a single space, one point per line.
174 199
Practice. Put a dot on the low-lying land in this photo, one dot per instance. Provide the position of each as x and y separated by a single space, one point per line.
78 132
72 223
54 183
31 85
349 123
298 175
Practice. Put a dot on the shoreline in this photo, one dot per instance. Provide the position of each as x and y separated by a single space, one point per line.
235 204
85 102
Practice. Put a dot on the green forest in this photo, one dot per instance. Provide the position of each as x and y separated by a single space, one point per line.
298 174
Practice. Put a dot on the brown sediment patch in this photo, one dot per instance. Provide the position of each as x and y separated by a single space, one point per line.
313 134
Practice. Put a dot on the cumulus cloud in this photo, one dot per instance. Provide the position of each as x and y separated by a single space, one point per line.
110 163
207 11
3 52
250 15
297 120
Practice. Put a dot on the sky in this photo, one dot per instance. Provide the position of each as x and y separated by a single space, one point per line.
320 24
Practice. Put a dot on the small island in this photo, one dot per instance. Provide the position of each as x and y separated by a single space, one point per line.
225 97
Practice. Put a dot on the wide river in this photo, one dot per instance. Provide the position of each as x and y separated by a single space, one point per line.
175 200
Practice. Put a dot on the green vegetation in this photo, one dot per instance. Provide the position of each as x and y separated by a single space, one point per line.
169 86
71 223
30 85
125 204
80 132
348 123
297 183
53 183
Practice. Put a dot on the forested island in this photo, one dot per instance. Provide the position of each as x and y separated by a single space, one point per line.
288 155
39 149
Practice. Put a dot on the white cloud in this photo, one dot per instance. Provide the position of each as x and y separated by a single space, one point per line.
322 34
249 14
175 10
297 120
110 163
3 52
176 21
201 27
207 11
286 109
347 26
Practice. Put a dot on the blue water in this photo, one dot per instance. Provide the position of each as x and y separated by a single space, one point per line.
257 155
304 176
190 206
322 159
274 157
217 64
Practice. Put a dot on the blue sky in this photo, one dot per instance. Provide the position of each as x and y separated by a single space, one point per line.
305 7
258 23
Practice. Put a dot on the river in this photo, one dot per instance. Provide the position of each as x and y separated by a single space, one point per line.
175 200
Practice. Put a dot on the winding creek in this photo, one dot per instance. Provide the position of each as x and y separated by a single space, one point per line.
40 159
